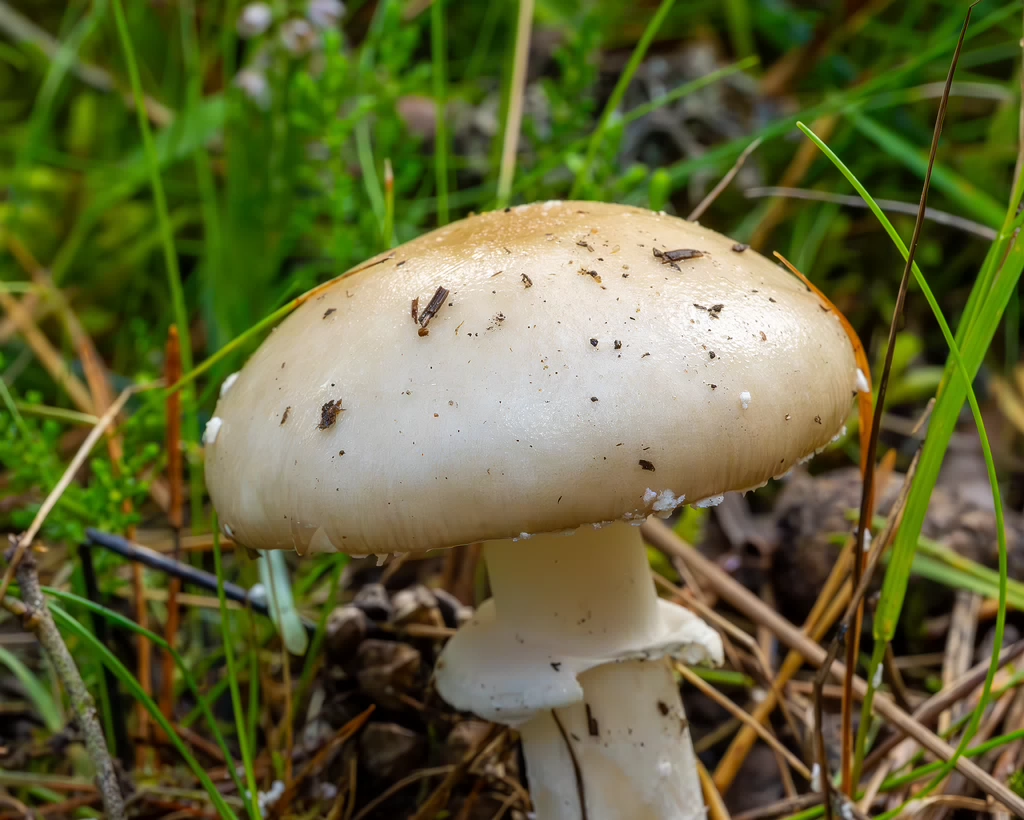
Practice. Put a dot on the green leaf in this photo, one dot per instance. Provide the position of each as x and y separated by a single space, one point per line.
36 691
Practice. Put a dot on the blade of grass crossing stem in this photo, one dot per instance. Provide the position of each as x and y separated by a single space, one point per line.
203 707
166 232
439 56
36 690
70 624
898 573
236 695
615 100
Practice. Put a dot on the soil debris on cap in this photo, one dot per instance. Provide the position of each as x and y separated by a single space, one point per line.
416 310
329 412
433 306
593 274
739 247
617 345
284 415
593 342
679 255
584 244
527 281
328 312
647 465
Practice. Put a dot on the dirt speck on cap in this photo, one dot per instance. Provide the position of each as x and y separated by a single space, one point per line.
329 412
646 465
284 415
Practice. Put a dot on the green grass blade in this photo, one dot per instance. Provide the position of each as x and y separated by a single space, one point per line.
615 100
36 691
236 695
97 649
202 707
897 576
439 54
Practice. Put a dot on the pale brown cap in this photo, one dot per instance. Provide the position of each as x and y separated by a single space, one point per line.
590 362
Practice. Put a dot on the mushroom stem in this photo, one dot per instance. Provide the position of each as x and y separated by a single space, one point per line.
622 754
572 650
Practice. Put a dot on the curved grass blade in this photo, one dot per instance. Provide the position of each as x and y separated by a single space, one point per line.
70 624
35 689
203 704
236 695
898 573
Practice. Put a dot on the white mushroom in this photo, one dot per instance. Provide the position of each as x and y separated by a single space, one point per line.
507 378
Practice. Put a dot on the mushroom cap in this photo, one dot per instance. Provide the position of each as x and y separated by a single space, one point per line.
570 376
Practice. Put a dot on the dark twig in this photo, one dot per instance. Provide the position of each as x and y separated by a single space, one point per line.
723 183
867 494
179 569
36 618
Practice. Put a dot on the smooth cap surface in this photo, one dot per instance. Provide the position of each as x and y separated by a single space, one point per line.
586 365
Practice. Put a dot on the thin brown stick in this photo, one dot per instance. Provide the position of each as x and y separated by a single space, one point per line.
36 618
316 763
929 710
734 710
433 804
723 183
657 533
25 541
712 797
398 785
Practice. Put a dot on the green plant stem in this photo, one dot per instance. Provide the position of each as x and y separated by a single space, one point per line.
236 695
439 52
615 100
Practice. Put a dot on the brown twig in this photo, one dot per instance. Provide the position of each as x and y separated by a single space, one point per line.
657 533
36 618
710 691
433 804
317 762
723 183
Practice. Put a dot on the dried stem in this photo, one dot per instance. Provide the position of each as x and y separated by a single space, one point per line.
36 618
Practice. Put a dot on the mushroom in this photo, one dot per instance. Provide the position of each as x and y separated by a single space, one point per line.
541 379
